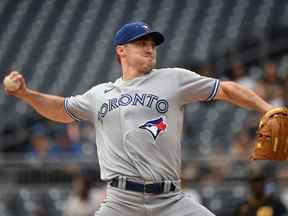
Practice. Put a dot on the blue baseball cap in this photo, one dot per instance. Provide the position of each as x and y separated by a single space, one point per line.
136 30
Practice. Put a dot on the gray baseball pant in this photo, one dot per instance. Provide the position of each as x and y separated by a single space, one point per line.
120 202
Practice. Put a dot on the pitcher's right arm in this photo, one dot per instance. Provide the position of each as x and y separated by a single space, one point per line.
49 106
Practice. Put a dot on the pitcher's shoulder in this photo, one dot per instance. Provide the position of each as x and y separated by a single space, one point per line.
170 70
100 87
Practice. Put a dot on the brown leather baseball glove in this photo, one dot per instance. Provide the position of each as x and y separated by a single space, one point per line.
272 136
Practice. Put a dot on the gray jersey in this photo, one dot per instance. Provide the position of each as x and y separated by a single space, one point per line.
139 122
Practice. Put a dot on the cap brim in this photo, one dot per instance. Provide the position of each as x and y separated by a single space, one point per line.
156 36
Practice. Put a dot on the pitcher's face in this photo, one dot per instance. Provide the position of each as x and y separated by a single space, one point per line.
140 54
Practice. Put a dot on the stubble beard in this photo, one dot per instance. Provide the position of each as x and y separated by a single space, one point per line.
149 66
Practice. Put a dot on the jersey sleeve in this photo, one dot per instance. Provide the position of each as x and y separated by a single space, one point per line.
194 87
79 107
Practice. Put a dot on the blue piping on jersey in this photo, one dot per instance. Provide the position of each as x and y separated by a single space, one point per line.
71 114
215 90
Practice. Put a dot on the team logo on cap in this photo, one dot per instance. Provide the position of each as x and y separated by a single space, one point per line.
146 28
155 127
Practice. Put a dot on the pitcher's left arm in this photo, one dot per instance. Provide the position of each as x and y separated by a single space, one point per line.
242 96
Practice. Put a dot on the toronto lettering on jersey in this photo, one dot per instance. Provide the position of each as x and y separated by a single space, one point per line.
149 100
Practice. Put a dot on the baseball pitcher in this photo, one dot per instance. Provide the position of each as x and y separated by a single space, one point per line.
138 121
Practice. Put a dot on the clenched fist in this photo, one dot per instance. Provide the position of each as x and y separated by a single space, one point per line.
15 84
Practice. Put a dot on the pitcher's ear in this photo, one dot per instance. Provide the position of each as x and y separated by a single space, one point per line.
120 50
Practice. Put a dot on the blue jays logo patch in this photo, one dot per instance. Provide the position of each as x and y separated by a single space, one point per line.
155 127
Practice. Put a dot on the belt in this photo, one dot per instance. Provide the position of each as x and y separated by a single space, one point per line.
153 188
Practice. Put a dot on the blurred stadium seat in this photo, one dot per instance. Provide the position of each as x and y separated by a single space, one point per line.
64 47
